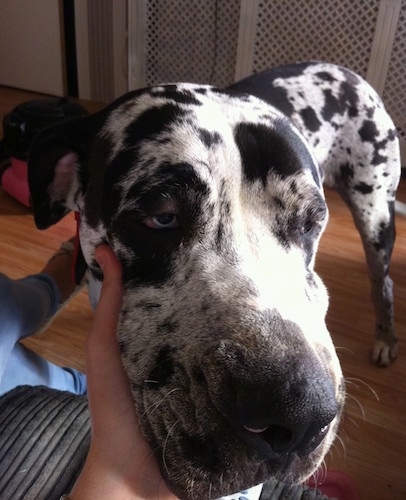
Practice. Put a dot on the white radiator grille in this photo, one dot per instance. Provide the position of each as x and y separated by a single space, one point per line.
327 30
205 41
394 94
191 41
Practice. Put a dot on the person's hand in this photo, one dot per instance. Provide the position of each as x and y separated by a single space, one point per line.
120 464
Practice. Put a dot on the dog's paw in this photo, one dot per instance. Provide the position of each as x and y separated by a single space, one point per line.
384 352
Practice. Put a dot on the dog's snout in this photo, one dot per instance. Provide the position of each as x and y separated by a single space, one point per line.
281 419
277 407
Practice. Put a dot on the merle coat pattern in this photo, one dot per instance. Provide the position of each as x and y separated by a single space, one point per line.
213 201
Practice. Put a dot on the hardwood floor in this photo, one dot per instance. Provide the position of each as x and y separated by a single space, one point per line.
372 441
373 434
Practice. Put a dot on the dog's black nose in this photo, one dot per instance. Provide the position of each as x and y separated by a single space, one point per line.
284 416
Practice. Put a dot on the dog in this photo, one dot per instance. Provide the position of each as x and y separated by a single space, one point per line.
213 201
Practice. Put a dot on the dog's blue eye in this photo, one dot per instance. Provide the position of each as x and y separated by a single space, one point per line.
307 227
162 221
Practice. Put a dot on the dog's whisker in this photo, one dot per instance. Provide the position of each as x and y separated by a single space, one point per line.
323 466
332 449
319 474
353 381
165 444
353 421
192 485
151 454
313 478
151 381
221 479
342 348
341 441
210 489
338 447
151 409
358 404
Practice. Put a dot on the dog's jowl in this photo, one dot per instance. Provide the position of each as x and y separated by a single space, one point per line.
213 201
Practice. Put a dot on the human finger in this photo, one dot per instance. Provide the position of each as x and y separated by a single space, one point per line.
108 386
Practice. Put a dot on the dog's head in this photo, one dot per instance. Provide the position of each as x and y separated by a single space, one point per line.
214 206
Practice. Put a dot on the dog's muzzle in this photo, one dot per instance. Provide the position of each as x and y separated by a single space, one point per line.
277 408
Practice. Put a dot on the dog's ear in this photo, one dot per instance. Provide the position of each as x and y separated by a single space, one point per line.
57 168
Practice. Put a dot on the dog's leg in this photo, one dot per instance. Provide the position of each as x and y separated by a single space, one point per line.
378 237
372 208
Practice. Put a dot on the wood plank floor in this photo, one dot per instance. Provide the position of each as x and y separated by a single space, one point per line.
372 444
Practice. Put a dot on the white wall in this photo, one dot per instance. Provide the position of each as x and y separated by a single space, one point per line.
31 46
